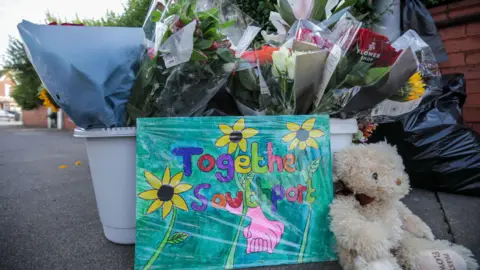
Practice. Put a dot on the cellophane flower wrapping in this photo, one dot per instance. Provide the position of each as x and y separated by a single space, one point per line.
359 73
88 71
425 81
263 84
277 81
193 46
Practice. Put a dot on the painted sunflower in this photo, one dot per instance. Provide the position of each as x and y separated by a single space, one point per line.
302 136
417 86
235 136
165 192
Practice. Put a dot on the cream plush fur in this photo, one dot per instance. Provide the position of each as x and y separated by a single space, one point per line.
384 234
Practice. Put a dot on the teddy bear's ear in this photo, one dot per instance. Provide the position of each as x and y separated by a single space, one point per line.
343 159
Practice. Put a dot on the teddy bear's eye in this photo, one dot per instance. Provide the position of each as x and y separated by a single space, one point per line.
375 176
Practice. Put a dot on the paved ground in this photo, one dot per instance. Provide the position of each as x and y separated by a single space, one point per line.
49 220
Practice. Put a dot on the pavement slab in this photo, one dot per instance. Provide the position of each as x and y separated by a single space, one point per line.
463 216
49 219
425 205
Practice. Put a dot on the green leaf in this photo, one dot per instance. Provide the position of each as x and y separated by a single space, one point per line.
198 55
177 238
313 167
248 79
226 55
318 12
147 71
202 44
156 16
134 112
210 13
285 11
375 74
227 24
344 4
211 33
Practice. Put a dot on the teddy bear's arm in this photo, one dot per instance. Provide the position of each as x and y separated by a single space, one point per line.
413 224
354 232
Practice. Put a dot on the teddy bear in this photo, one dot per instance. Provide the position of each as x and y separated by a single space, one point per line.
373 228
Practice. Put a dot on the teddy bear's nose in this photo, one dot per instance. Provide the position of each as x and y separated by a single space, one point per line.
398 182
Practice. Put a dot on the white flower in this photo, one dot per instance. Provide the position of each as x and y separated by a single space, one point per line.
280 59
291 66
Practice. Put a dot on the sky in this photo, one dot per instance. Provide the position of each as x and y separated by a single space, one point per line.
13 12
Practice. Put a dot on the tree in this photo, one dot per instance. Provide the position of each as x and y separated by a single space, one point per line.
16 61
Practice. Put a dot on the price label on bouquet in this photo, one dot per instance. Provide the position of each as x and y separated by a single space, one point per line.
233 192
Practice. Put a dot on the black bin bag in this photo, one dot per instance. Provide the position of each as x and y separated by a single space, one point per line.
439 151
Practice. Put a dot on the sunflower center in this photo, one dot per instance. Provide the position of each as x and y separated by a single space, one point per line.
302 135
165 193
236 136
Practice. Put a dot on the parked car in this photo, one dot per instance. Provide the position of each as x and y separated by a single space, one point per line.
7 115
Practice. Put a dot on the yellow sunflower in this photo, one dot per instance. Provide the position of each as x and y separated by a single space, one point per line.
165 192
235 136
417 86
46 100
302 135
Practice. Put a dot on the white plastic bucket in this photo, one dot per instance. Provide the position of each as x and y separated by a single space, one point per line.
111 155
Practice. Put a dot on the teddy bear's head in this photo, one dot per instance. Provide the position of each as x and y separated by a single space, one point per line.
372 172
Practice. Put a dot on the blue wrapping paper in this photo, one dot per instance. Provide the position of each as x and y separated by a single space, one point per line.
89 71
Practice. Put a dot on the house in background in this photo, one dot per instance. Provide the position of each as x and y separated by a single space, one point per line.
6 87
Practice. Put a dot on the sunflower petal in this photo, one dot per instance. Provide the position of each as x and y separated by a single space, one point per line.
302 145
243 145
225 129
153 180
232 147
166 177
179 202
292 126
149 194
222 141
294 144
239 125
316 133
312 143
308 125
181 188
176 179
154 206
249 132
290 136
167 207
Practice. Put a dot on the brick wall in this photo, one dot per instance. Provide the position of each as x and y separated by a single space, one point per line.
35 118
38 118
67 122
459 25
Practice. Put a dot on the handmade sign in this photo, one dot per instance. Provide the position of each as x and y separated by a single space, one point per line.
233 192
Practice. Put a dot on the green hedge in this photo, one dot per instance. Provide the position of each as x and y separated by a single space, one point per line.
259 10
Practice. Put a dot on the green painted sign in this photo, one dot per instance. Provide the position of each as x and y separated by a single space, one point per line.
233 192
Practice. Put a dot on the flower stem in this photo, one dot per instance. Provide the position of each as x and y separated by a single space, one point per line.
231 254
164 240
305 236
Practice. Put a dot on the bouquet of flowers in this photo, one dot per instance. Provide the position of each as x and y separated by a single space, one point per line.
362 70
193 51
423 82
264 82
87 71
